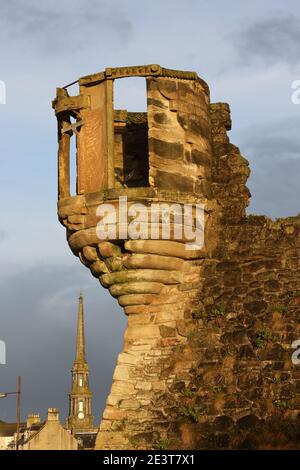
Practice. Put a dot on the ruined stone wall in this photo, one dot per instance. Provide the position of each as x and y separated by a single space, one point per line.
243 389
219 372
207 352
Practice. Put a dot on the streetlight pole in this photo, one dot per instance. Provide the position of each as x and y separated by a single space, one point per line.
18 413
4 395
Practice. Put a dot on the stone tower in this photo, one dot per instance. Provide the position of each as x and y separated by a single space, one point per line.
80 399
207 357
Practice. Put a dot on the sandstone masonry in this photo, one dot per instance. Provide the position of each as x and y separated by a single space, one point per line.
207 352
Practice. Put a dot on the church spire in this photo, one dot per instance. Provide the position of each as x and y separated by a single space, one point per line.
80 399
80 342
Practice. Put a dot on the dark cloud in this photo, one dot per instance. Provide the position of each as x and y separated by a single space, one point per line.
64 27
274 154
270 40
38 309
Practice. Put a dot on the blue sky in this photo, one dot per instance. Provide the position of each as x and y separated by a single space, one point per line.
248 52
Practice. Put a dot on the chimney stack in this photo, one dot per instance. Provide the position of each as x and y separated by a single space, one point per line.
33 419
53 414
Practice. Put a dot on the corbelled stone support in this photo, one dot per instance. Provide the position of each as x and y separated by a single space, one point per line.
156 282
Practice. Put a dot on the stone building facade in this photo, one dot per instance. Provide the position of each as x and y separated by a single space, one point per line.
7 435
49 435
207 358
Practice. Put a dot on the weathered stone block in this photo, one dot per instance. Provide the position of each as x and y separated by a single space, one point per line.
167 331
172 150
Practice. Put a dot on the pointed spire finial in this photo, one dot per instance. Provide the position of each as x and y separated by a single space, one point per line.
80 343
